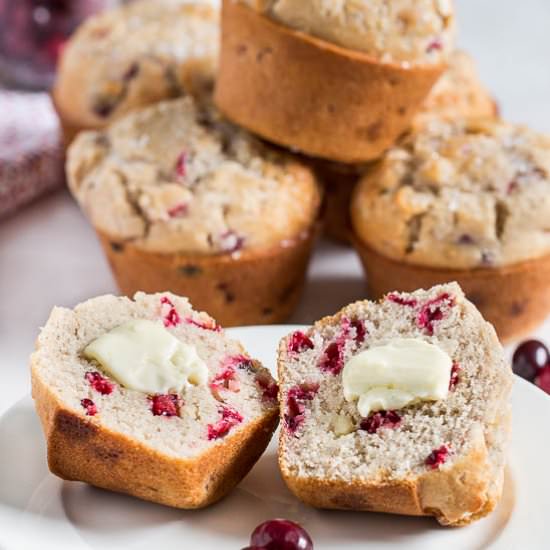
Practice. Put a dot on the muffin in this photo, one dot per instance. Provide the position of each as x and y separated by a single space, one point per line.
464 200
432 443
337 81
184 201
458 93
133 56
150 398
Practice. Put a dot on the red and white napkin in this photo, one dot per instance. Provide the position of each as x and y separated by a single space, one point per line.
31 149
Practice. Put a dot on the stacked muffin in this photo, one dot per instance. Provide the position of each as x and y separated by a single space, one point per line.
184 200
181 199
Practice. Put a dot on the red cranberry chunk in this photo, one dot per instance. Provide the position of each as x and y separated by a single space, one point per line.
432 311
296 398
165 405
229 418
455 378
396 299
212 325
332 360
171 317
299 342
99 383
226 379
231 242
360 331
181 166
435 45
89 406
270 389
178 210
437 457
280 534
380 419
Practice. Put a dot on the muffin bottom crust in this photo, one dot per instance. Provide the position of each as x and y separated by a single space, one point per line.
246 288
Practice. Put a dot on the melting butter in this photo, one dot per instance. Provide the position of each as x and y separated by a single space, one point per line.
142 355
402 372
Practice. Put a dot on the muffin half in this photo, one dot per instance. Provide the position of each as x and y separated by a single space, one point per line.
340 82
466 201
184 201
151 398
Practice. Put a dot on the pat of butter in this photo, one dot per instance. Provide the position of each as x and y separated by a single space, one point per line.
400 373
142 355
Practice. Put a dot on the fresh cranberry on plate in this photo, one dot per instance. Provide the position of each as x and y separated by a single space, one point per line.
280 534
529 359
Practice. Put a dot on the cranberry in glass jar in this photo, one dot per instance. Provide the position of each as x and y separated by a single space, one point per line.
32 34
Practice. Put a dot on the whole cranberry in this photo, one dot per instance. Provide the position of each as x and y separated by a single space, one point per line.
529 358
280 534
543 379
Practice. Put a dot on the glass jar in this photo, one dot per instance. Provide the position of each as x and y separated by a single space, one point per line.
32 34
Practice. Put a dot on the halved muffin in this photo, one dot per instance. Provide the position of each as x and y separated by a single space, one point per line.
149 397
401 406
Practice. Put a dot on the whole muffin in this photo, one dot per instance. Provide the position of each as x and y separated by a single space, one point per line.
458 93
133 56
340 80
465 200
184 201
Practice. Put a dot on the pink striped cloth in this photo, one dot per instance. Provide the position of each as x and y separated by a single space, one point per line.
31 150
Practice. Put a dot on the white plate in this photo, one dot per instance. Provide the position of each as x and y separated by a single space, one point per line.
37 510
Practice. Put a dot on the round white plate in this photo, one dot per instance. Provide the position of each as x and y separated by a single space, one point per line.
38 510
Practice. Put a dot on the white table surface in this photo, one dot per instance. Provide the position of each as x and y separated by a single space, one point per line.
49 255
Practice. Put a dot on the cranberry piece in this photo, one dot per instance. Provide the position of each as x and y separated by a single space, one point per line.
432 311
231 242
181 166
213 326
281 534
226 379
437 457
435 45
90 406
529 358
165 405
99 383
395 298
178 210
299 342
380 419
360 331
270 389
543 379
229 418
296 397
171 318
332 360
455 378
